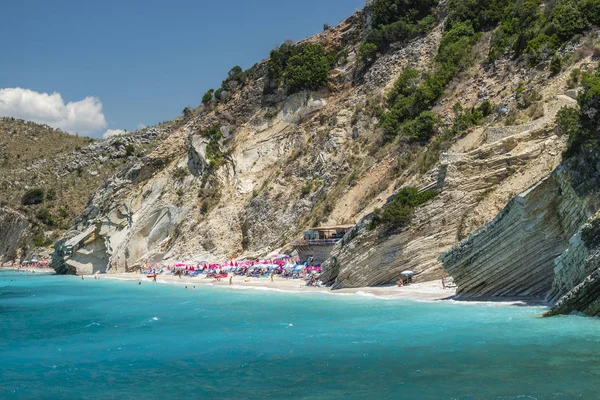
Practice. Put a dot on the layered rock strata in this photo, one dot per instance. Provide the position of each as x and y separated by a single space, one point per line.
473 187
577 273
513 255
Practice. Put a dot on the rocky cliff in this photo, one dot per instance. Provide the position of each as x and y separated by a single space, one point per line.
65 170
14 229
472 185
514 255
544 243
578 290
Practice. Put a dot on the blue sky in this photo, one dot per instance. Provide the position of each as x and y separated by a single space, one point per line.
143 60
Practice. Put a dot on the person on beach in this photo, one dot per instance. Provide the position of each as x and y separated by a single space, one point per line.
231 280
81 277
443 279
271 277
154 278
400 283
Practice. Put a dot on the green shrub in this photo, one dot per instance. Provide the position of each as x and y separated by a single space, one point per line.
308 69
486 108
40 240
129 150
306 189
45 217
236 77
483 14
394 21
214 154
32 197
463 120
421 128
574 77
208 96
299 67
568 20
567 122
526 28
414 93
399 211
556 65
367 52
219 94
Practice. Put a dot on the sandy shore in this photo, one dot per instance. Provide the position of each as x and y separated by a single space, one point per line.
426 291
418 291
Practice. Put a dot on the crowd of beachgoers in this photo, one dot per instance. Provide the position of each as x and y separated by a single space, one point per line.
280 266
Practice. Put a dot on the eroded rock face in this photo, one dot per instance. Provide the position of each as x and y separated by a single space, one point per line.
577 279
13 226
513 256
473 187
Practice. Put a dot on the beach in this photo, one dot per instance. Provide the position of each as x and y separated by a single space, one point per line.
421 291
418 291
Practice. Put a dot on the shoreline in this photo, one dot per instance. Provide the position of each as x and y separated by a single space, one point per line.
431 291
422 291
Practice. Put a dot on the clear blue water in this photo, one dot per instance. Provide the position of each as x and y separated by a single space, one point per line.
63 338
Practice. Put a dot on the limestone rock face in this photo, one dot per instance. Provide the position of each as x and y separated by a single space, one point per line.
513 256
584 298
473 186
13 226
577 277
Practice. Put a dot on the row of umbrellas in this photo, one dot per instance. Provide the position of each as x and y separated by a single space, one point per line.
278 261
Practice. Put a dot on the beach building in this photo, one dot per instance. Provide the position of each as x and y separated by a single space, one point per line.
317 243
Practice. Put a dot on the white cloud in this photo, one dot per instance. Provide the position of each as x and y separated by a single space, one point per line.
140 125
113 132
84 116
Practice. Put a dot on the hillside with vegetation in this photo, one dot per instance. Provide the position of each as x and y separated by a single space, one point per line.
47 176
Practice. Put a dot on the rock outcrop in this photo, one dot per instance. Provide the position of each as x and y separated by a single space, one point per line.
13 230
473 187
513 255
576 285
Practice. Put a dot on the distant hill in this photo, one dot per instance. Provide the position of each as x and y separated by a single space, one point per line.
60 171
22 142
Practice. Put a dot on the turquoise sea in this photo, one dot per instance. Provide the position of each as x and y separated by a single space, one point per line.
63 338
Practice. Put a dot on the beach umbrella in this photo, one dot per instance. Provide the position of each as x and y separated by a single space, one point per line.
408 275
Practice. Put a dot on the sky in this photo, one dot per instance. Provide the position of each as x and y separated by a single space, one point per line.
97 68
